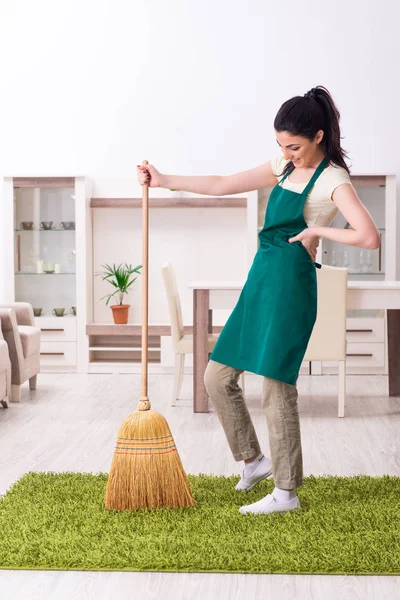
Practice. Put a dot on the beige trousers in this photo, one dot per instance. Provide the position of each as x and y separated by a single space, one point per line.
279 401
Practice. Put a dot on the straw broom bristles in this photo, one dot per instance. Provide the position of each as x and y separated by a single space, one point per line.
146 470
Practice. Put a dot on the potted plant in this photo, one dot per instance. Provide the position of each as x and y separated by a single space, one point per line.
121 279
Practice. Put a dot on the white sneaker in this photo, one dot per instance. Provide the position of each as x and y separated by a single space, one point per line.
268 505
261 472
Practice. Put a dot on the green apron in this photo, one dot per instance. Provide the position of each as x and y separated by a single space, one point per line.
268 330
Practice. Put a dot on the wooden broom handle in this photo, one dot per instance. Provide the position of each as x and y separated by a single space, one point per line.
145 282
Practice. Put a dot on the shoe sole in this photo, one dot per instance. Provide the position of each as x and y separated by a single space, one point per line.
280 512
257 482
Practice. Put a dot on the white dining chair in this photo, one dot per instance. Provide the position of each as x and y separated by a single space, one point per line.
328 339
182 342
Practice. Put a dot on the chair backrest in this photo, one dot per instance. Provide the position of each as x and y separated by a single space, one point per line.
328 339
174 303
11 335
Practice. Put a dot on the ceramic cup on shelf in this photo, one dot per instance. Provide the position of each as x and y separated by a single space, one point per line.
57 268
73 309
68 225
37 312
46 224
26 224
59 312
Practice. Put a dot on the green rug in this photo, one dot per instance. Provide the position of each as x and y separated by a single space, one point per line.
347 525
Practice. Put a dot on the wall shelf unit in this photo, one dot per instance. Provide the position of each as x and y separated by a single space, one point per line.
182 202
118 348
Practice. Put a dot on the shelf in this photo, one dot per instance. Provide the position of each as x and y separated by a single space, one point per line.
121 361
188 202
46 315
44 182
367 273
368 180
41 230
32 273
130 329
122 349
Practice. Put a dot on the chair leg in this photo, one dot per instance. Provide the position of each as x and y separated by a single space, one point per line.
342 388
32 382
242 382
4 402
15 393
179 365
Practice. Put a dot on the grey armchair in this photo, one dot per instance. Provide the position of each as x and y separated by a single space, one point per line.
23 340
5 372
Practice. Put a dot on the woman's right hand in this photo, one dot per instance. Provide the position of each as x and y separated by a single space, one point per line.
149 175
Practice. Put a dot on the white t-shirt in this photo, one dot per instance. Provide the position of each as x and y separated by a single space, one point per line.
319 209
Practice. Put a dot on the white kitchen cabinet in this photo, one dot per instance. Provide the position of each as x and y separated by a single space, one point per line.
47 235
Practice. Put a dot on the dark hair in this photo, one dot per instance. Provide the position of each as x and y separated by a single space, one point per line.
306 115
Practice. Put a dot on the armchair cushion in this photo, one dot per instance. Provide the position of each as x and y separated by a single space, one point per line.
30 338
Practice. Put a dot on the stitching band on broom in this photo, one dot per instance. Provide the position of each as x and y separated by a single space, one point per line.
146 470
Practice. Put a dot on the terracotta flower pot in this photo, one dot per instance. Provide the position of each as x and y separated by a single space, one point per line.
120 313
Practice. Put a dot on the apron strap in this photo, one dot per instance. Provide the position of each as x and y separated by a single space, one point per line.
286 175
314 178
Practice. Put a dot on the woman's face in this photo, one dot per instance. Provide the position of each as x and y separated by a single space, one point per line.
300 150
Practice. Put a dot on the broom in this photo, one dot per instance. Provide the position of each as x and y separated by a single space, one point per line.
146 470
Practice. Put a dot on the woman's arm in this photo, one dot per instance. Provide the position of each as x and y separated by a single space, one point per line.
198 184
222 185
363 234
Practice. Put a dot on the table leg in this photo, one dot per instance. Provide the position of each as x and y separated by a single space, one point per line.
200 348
393 325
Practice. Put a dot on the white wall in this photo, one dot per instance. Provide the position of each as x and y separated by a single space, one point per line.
93 87
188 238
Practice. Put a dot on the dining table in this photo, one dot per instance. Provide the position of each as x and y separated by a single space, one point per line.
214 295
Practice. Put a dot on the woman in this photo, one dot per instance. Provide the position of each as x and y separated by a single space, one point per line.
268 330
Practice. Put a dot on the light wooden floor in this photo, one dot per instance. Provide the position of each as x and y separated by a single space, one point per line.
70 424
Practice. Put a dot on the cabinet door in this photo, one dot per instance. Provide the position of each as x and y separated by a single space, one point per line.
56 329
57 355
44 247
366 347
365 330
362 264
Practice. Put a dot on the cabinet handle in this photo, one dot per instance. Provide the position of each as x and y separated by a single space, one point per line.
19 251
380 253
359 354
52 354
359 330
52 330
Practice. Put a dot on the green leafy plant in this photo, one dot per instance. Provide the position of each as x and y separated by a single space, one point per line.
120 278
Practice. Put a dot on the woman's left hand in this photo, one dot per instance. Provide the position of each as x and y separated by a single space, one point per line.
309 240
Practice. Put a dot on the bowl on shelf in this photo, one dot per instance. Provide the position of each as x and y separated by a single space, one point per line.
49 271
46 224
68 224
26 224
